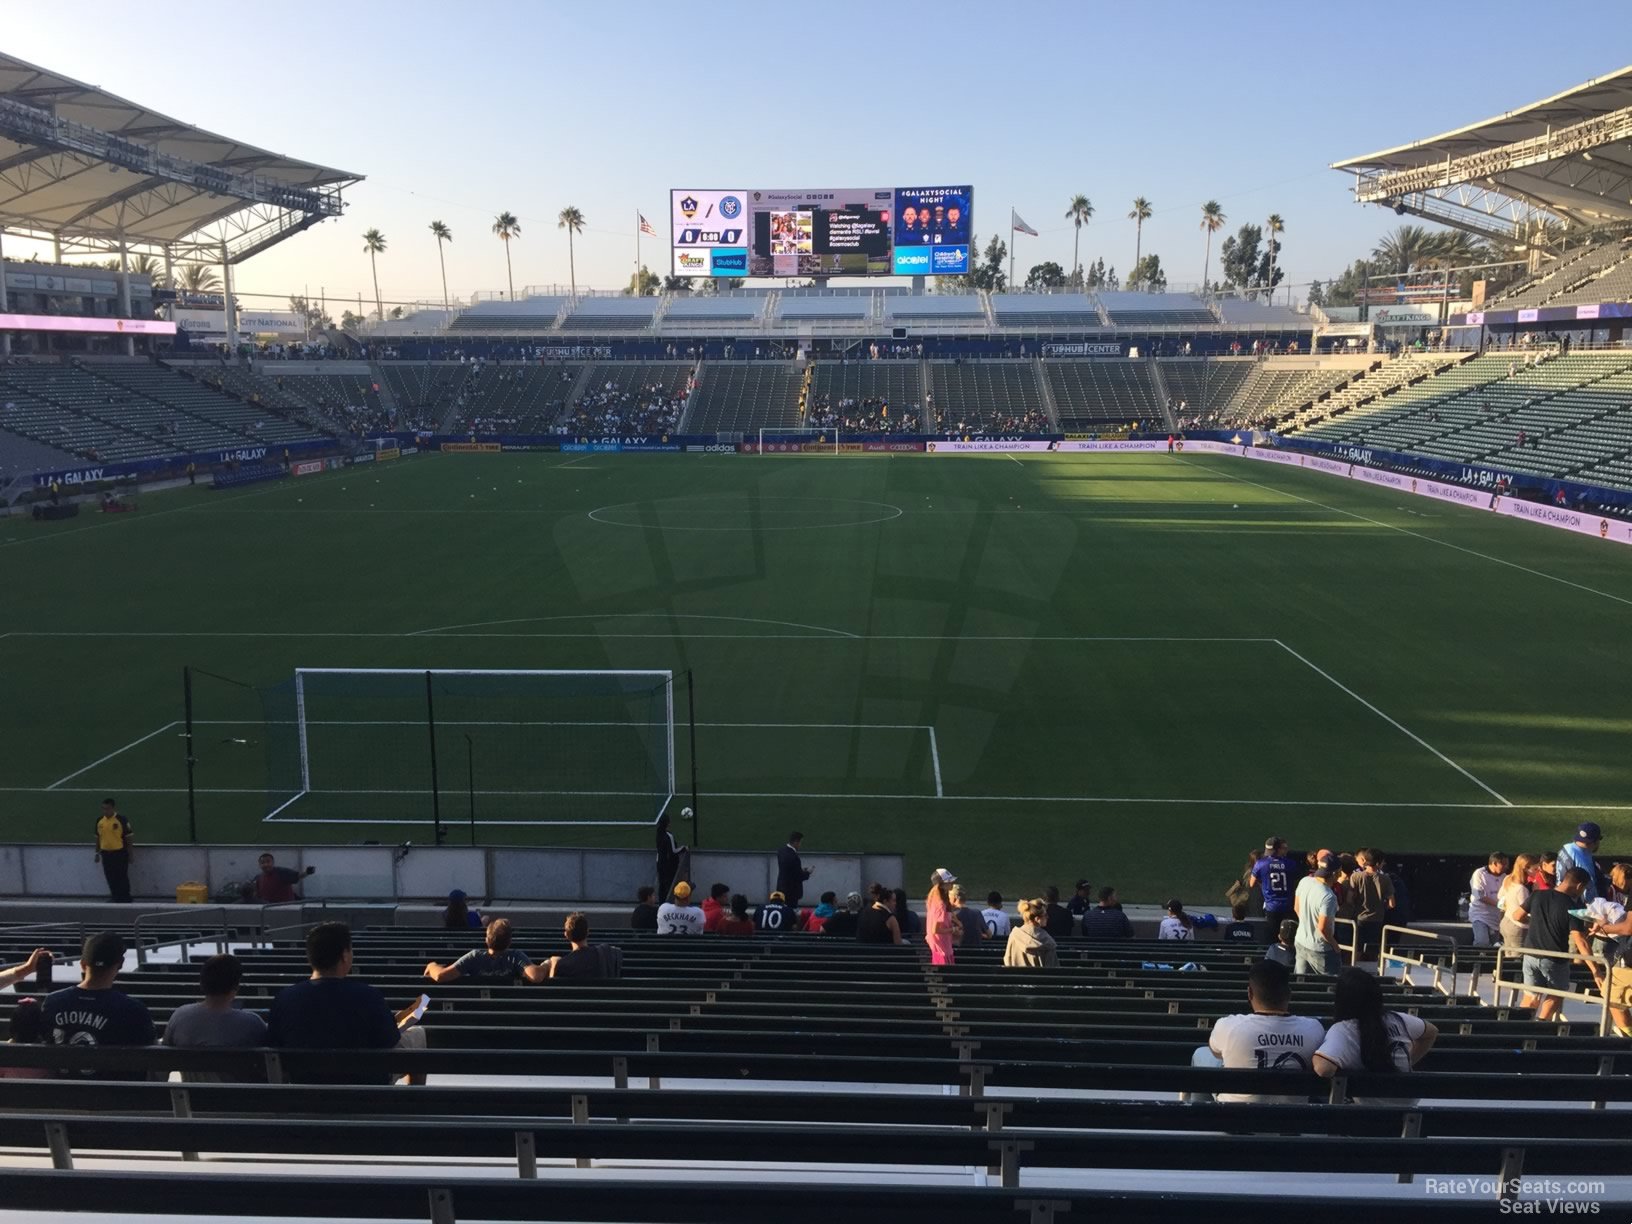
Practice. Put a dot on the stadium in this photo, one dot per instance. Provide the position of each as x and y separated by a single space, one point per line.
836 529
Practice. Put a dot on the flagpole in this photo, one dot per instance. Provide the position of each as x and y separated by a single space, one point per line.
1012 232
637 252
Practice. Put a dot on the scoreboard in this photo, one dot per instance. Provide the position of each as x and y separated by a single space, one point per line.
871 231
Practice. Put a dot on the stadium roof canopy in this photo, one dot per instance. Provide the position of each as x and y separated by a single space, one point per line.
84 167
1566 158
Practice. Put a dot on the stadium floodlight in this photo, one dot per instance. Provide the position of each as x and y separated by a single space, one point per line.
799 441
544 747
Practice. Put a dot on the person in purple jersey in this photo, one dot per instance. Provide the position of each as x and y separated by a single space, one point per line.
1272 876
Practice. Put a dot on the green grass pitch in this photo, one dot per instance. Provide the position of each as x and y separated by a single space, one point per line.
1128 667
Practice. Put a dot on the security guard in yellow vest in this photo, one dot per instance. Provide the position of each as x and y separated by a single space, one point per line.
113 844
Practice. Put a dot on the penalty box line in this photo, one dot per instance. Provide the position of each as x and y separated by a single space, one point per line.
1397 725
116 752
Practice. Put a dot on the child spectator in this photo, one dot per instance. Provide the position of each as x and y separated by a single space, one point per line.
1283 951
1239 930
736 921
1177 924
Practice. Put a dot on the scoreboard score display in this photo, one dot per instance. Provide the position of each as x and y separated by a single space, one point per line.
871 231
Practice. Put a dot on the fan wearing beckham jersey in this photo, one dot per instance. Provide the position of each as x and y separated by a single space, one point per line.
1270 1038
678 916
1273 877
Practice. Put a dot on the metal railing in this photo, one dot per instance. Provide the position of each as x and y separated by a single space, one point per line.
1353 946
1601 998
1385 957
343 911
219 937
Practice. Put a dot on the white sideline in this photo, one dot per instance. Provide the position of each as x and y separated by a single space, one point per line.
1394 723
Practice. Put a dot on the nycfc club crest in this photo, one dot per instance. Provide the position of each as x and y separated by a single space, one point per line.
730 208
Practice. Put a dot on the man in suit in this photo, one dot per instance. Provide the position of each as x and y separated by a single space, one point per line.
791 873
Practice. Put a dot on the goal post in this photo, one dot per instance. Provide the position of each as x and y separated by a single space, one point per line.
798 441
535 747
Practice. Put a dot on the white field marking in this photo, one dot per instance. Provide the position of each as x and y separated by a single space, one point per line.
420 722
935 759
826 636
1472 552
884 518
828 796
1017 461
527 620
110 756
1395 723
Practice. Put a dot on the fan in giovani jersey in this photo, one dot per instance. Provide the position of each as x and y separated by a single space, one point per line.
776 915
1269 1038
1272 876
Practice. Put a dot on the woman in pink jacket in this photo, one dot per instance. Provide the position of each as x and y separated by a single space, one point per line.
941 929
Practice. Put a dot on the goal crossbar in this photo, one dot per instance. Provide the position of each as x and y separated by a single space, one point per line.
633 682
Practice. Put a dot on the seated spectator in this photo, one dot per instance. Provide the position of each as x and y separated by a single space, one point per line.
878 924
218 1022
1284 950
1366 1037
15 974
584 963
1238 929
27 1028
459 916
816 921
1177 924
719 896
910 923
1106 920
997 922
677 915
93 1013
971 926
1030 946
1057 918
1267 1038
644 916
776 916
736 921
843 922
498 961
332 1010
1081 900
274 885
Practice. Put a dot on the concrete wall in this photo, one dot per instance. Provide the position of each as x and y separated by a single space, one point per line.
510 873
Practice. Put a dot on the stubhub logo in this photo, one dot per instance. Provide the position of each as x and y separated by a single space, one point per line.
729 261
949 260
914 261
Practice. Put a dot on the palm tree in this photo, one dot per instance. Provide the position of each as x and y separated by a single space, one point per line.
1407 248
1140 214
507 227
1212 220
442 234
198 278
572 221
149 266
1079 213
1275 226
374 243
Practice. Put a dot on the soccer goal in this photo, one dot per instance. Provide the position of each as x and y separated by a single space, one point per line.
395 745
799 441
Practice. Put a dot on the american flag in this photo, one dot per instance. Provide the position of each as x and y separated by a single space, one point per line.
646 226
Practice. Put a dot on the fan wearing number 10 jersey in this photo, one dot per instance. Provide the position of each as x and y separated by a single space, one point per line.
776 916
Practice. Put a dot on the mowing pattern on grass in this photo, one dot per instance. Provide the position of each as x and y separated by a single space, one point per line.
1132 667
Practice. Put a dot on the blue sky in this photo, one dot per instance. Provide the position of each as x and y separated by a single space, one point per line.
457 110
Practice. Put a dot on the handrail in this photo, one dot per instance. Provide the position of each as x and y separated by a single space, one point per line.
1585 996
1384 956
1353 947
220 937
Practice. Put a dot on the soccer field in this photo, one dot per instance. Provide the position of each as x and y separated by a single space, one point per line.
1027 668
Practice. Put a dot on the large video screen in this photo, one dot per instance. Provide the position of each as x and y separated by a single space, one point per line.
866 231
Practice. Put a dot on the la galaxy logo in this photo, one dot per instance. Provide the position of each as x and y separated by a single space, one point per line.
688 207
730 207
